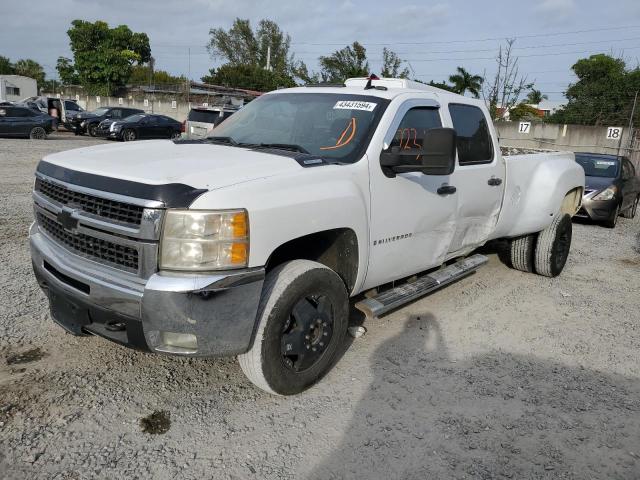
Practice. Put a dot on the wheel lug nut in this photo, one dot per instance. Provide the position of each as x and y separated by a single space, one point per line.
325 334
321 344
324 324
306 337
314 349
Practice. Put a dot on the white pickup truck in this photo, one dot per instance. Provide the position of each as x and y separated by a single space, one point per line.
251 242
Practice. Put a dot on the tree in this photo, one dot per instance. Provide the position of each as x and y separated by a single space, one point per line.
522 111
535 97
391 64
103 57
249 77
67 71
349 62
6 67
30 68
463 81
242 46
147 75
602 95
504 92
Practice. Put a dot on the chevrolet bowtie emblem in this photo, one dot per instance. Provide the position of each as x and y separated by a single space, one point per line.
66 219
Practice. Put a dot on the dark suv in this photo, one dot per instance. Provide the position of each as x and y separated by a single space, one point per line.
87 122
612 188
18 121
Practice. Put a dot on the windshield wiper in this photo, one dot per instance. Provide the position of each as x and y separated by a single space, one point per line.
223 140
284 146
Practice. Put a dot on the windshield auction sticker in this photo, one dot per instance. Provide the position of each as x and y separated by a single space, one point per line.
355 105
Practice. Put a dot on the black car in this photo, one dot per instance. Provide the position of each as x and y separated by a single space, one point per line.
16 121
87 122
144 126
611 188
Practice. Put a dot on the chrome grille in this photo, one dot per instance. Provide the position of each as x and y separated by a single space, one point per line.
104 251
101 207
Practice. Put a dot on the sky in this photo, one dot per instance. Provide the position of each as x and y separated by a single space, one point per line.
434 37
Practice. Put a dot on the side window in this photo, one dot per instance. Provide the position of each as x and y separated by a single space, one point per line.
474 139
116 113
414 124
18 112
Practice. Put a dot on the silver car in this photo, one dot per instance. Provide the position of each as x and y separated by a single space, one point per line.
201 120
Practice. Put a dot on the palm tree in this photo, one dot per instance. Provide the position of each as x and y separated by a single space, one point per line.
463 82
535 97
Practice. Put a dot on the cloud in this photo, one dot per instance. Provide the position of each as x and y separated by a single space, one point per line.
556 11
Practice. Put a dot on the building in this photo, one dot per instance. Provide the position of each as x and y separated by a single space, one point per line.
14 88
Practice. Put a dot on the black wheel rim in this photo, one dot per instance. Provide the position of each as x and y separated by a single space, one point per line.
129 135
307 332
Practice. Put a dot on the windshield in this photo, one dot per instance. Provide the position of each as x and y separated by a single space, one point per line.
100 111
335 126
595 166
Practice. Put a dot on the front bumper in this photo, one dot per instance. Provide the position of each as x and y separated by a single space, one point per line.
598 210
218 310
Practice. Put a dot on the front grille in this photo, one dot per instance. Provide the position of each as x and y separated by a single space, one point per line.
102 207
93 248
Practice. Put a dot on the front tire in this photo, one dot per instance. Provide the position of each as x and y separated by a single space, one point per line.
129 135
631 211
302 322
92 130
552 246
612 222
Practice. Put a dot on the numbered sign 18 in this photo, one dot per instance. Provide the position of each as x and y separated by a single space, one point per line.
524 127
614 133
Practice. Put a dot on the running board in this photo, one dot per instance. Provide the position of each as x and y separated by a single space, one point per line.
396 297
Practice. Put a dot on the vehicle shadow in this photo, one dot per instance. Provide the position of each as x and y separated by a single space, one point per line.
495 415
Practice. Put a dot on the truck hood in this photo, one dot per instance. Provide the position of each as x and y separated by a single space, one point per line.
160 162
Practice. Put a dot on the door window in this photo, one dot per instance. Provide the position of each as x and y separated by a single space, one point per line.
474 139
412 128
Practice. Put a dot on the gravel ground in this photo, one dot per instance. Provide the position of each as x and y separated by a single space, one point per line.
501 375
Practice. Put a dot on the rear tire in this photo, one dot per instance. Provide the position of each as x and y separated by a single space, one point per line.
522 252
631 211
37 133
552 247
302 322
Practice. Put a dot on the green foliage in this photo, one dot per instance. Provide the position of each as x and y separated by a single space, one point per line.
249 77
143 75
522 111
463 82
534 97
6 67
67 71
103 57
391 64
29 68
247 50
351 61
602 95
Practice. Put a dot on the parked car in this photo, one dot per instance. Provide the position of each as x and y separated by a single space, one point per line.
142 126
250 242
612 188
66 109
18 121
201 120
87 122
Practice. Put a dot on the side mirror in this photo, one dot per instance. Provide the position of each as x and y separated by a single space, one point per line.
436 157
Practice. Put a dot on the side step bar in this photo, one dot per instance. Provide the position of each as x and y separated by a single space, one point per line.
391 299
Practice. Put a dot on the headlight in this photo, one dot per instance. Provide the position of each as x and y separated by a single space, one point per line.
606 194
204 240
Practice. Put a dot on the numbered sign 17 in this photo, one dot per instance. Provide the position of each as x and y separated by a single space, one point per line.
614 133
524 127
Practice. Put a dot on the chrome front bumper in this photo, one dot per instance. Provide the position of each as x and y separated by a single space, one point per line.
86 297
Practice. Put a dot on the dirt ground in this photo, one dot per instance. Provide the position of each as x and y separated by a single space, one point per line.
501 375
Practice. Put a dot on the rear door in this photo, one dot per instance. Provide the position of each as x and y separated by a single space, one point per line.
630 184
18 121
479 177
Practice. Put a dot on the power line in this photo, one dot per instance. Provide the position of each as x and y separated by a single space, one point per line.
552 34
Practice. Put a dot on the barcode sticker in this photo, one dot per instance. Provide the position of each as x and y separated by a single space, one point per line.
355 105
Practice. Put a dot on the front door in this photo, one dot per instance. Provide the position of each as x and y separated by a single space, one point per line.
412 225
479 178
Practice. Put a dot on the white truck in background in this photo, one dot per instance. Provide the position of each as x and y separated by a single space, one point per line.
251 242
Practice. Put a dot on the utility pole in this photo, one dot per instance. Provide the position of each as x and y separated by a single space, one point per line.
189 74
269 58
631 135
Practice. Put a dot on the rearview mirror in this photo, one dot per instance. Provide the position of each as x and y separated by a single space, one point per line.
437 156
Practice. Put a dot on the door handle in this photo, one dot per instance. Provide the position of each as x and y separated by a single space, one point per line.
446 190
494 181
